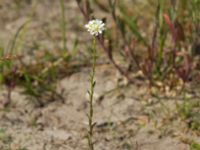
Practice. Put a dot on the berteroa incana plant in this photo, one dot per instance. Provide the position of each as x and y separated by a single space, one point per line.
95 28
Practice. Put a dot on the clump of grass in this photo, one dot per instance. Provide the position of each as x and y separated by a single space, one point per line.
8 56
5 139
167 54
38 80
195 146
188 110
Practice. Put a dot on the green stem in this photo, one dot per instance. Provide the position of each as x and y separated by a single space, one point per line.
63 23
91 96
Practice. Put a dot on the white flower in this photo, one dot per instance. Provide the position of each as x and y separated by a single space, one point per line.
95 27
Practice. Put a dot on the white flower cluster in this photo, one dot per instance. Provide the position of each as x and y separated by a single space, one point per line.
95 27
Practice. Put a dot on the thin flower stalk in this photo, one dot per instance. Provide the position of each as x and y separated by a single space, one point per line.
91 96
95 28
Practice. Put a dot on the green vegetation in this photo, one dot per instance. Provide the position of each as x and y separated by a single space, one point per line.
154 42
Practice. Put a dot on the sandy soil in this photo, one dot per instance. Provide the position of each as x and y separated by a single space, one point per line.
126 117
123 119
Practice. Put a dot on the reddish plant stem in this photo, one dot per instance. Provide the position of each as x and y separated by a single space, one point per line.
106 50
